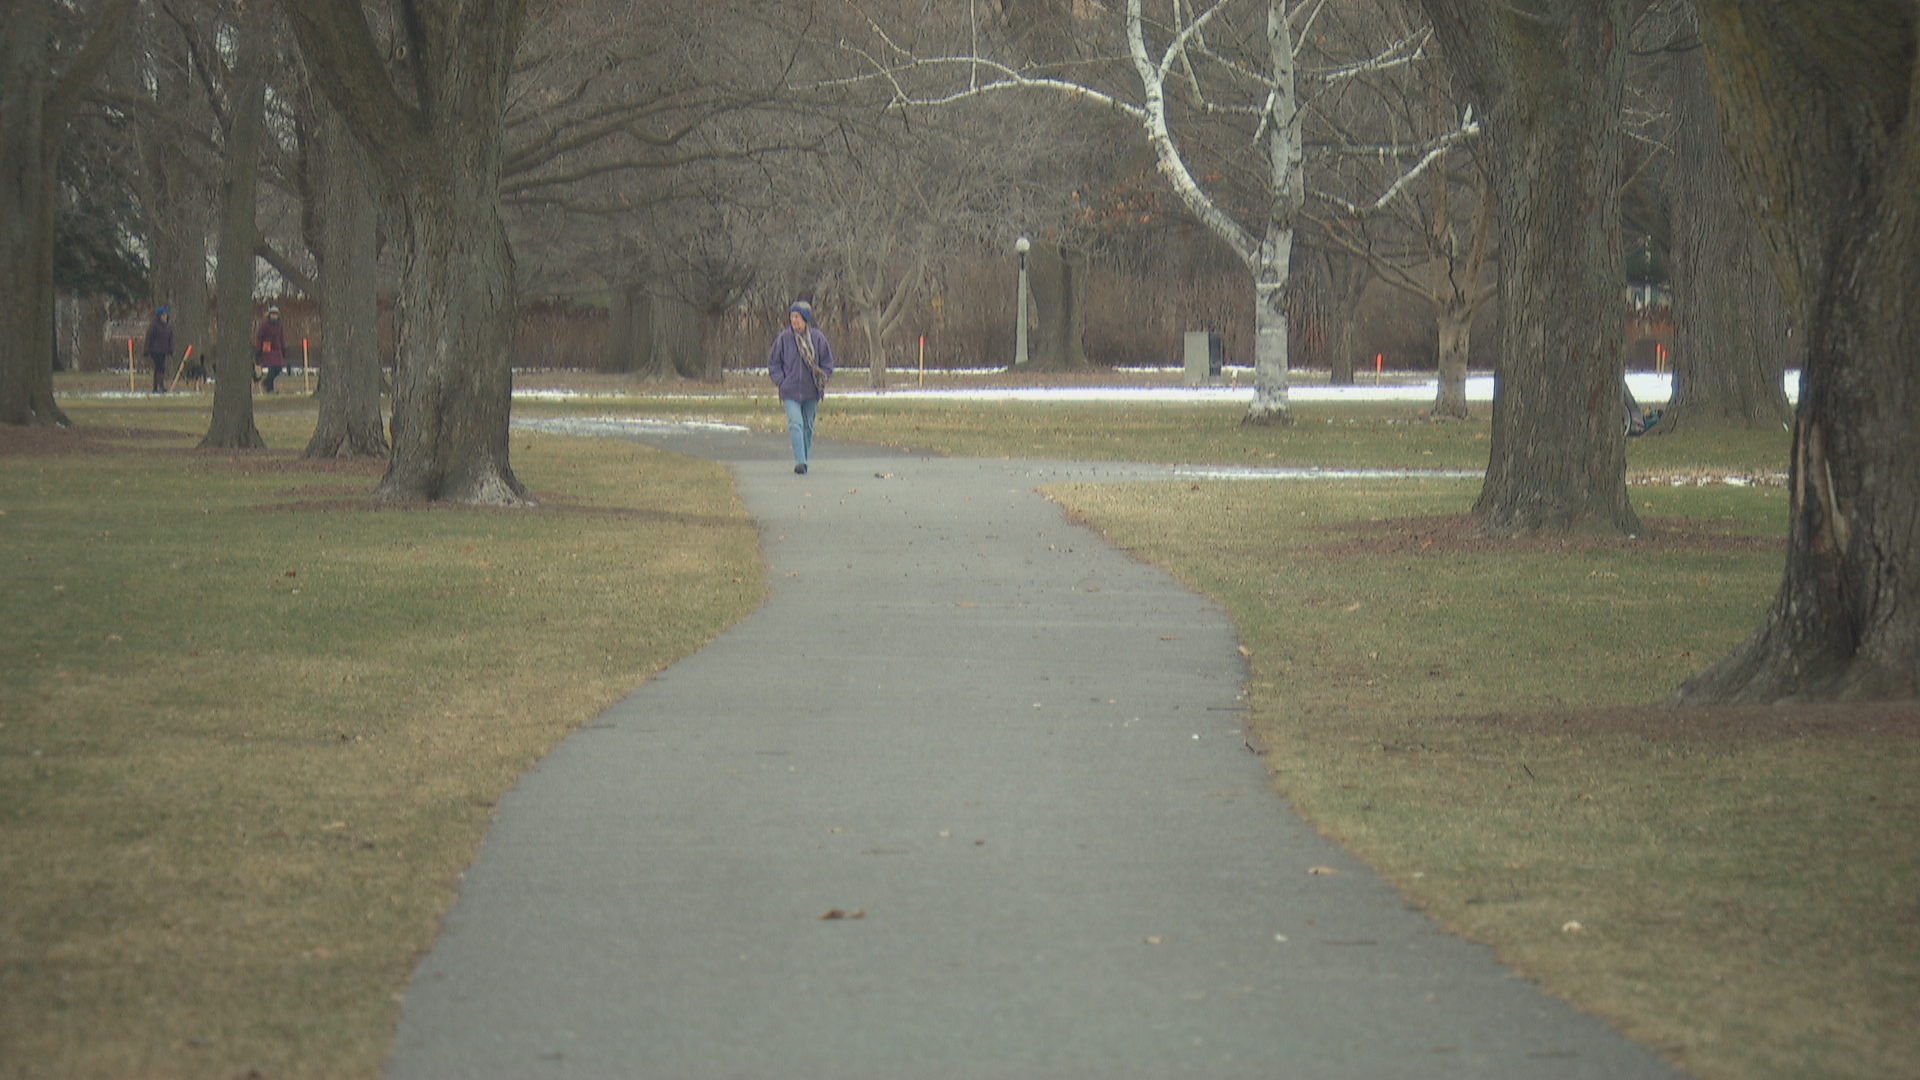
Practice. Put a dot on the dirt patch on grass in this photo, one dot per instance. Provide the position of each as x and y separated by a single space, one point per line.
1743 724
1453 534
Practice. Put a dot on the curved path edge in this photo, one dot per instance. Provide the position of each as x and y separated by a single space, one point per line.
968 796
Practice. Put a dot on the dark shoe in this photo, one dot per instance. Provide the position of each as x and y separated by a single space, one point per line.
801 468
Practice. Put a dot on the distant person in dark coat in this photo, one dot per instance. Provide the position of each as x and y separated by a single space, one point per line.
270 347
160 347
800 363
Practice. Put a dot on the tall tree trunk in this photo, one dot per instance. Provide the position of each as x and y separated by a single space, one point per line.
713 363
436 140
180 264
628 328
348 251
1346 349
1459 294
1347 278
1057 288
179 199
1550 81
36 103
453 394
1272 402
1272 260
675 339
876 350
1730 344
232 425
1822 102
1455 322
26 225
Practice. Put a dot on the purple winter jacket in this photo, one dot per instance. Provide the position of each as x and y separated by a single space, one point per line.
789 373
159 337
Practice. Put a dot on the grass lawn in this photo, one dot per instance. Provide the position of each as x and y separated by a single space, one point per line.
1737 888
250 729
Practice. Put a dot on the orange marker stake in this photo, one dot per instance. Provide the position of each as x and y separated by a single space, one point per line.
184 357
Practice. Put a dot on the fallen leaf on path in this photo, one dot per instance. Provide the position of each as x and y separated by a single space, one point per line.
1321 870
837 913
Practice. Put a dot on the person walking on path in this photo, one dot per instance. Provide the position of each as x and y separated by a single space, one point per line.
160 346
270 347
800 363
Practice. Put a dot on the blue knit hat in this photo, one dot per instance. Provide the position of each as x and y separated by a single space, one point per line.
162 311
805 309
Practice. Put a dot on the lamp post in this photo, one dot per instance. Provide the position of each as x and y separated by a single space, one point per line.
1022 245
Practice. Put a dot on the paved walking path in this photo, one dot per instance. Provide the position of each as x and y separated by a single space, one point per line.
1012 758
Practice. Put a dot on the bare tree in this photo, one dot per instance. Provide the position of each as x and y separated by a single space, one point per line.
1822 103
1229 66
655 158
1549 81
431 122
40 87
902 199
167 90
232 425
1730 334
1426 230
347 247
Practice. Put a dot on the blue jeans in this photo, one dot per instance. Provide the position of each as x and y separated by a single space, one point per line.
800 427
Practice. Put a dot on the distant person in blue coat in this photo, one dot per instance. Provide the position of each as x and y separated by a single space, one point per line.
800 363
160 347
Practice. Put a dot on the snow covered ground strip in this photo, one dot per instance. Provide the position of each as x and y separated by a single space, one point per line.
1648 388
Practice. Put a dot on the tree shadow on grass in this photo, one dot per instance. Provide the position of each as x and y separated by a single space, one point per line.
1452 534
309 498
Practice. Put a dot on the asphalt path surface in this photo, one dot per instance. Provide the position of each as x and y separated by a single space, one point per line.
968 796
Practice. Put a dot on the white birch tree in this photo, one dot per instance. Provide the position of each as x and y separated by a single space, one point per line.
1196 69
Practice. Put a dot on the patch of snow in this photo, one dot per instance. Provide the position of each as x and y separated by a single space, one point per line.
618 426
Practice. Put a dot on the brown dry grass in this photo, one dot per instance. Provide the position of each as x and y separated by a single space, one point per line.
251 731
1738 888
